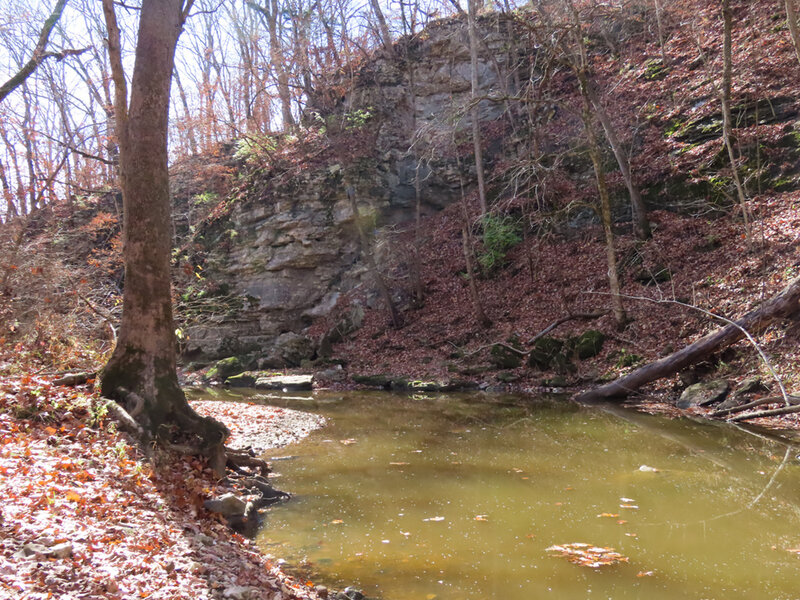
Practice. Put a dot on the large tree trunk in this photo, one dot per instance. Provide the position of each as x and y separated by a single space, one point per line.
785 304
143 365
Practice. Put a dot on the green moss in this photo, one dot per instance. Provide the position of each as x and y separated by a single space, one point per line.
225 368
589 343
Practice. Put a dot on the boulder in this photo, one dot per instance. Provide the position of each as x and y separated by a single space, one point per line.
702 394
378 381
285 382
748 387
225 368
546 351
246 379
293 348
504 358
228 505
589 343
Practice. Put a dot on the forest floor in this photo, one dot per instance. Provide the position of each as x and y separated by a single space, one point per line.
86 515
707 269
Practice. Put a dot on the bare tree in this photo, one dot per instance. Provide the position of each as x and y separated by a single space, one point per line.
39 52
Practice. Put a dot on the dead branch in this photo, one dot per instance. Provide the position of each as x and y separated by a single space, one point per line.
562 320
783 410
760 402
784 304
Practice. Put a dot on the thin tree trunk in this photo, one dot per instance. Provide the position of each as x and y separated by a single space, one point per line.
187 114
474 113
727 126
386 36
791 20
640 223
781 306
660 26
11 208
605 207
466 246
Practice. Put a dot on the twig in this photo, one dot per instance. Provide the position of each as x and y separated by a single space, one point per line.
760 402
562 320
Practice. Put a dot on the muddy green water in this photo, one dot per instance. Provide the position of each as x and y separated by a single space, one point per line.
459 496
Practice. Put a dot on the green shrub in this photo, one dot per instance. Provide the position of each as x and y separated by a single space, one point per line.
500 234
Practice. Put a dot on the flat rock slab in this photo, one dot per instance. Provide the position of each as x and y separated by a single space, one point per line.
703 394
285 382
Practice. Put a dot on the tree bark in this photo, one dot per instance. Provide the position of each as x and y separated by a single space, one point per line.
144 361
785 304
791 21
386 36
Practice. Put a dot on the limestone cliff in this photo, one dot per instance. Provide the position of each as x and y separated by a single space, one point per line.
287 247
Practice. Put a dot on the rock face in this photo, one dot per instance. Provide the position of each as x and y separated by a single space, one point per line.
289 247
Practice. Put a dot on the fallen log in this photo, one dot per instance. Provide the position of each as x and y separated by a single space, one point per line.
781 306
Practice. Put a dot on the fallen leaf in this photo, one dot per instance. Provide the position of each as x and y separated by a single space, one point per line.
586 555
608 515
481 518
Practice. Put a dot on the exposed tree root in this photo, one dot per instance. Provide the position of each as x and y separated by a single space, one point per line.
73 379
236 459
783 305
125 421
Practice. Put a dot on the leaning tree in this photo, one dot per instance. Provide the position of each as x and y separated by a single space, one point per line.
141 373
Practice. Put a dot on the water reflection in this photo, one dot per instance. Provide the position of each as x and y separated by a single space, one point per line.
459 496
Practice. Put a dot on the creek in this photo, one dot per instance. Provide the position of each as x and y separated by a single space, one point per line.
459 496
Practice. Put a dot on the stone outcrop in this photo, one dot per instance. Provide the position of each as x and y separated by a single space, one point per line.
287 251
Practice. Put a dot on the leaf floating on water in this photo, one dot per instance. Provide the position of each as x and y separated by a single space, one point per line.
434 519
793 550
608 515
621 522
633 535
586 555
627 500
398 464
631 506
646 469
347 442
337 522
481 517
645 574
